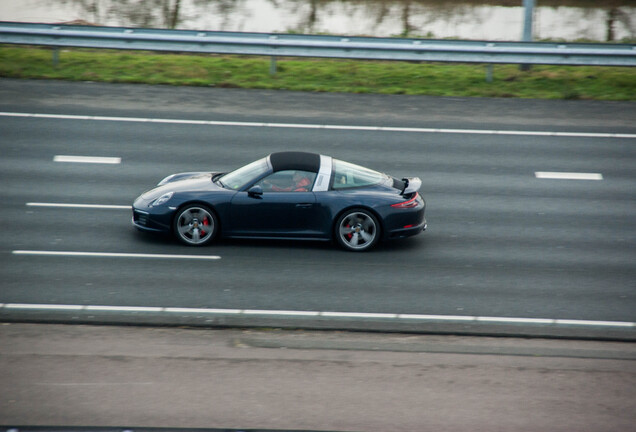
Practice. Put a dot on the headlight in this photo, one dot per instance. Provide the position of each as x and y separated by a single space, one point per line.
162 199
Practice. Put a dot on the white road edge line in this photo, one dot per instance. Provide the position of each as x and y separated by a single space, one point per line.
87 159
113 255
295 313
319 126
87 206
568 175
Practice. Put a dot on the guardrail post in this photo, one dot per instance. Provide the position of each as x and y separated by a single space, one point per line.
528 11
55 58
489 73
272 66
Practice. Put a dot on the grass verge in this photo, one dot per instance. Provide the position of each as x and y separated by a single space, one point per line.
320 75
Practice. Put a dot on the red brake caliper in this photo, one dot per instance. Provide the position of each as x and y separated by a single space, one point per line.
350 235
206 222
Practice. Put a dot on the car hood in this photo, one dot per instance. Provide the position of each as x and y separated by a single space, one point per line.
200 182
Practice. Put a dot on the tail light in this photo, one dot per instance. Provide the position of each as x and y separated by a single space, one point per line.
407 204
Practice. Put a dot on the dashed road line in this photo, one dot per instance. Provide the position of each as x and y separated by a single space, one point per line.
319 126
87 159
568 175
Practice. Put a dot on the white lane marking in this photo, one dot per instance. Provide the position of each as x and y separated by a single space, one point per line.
568 175
595 323
287 313
87 159
279 312
43 306
113 255
89 384
437 317
516 320
87 206
359 315
320 126
202 311
124 308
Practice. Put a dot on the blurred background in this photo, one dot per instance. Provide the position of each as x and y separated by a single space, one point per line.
568 20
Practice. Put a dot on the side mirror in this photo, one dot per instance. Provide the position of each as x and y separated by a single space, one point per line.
255 191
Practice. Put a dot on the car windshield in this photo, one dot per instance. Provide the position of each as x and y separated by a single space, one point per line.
348 175
242 176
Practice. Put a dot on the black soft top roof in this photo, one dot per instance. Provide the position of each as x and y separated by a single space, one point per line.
295 161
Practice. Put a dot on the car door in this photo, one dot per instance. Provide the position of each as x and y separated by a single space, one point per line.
284 206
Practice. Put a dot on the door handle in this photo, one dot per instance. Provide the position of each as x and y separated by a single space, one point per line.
304 205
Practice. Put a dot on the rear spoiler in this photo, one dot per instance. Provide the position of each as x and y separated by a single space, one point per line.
411 184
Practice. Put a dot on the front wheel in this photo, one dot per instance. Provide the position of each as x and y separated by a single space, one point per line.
195 225
357 230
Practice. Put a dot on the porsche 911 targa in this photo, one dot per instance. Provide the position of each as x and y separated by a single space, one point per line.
287 195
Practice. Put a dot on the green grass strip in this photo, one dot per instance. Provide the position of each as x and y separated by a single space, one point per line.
320 75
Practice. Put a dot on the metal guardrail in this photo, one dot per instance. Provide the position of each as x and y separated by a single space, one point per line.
292 45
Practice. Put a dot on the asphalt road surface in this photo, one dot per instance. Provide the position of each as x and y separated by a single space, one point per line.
502 241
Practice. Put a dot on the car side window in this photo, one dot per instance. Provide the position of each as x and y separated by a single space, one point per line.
288 181
348 175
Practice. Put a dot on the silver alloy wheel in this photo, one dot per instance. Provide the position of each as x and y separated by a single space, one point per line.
195 225
357 230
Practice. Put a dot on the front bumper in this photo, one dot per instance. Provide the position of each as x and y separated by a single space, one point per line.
157 219
140 221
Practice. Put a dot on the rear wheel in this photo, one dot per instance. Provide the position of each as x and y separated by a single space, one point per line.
195 225
357 230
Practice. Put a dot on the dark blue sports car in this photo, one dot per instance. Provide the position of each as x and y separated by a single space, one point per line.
288 195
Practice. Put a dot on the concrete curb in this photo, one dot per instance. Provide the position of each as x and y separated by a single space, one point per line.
313 320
